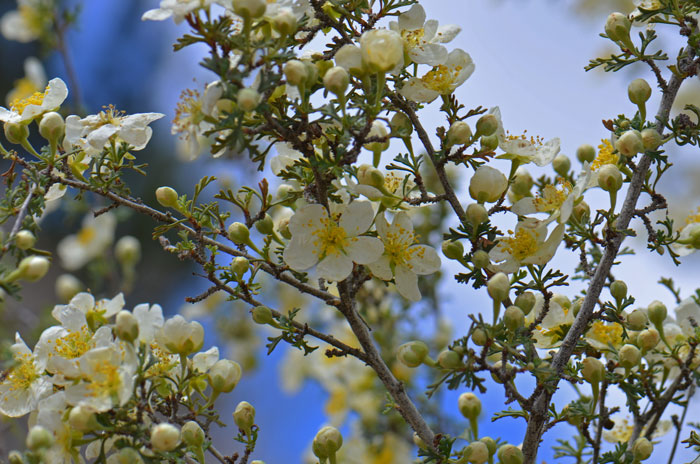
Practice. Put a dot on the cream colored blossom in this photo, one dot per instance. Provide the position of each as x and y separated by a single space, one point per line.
689 237
528 244
96 235
422 38
177 9
553 328
28 22
34 81
25 382
441 80
195 115
25 110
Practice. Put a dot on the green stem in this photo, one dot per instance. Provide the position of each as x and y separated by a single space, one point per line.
474 424
28 146
496 310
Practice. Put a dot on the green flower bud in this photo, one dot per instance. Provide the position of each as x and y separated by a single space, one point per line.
609 178
481 259
239 266
479 337
525 301
283 228
618 290
582 212
498 286
487 125
448 359
630 143
514 318
167 197
52 126
311 73
401 125
657 313
265 225
31 269
192 434
24 239
262 315
165 437
487 184
127 250
412 354
336 80
39 438
490 444
522 182
488 142
639 91
561 164
126 326
82 419
469 405
642 449
238 233
128 456
648 339
477 214
244 416
369 175
15 457
476 453
617 27
249 9
637 320
459 133
377 130
296 72
593 370
16 133
585 153
651 139
224 375
327 442
453 250
510 454
284 22
248 99
629 356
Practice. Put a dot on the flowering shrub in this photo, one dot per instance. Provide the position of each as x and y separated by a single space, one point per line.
361 193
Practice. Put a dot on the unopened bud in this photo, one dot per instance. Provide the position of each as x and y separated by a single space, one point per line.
487 184
284 22
487 125
369 175
16 133
336 80
514 318
32 268
490 444
295 72
67 286
224 375
510 454
476 214
244 416
522 182
412 354
52 126
283 228
15 457
585 153
24 239
401 125
593 370
192 434
609 178
239 266
165 437
311 74
476 453
582 212
448 359
639 91
618 290
629 356
167 197
651 139
248 99
453 250
262 315
327 442
126 326
562 300
82 419
265 225
525 301
561 164
488 142
630 143
459 133
238 233
481 259
637 320
378 129
648 339
469 405
657 313
642 449
617 27
127 250
39 438
479 337
498 286
128 456
249 9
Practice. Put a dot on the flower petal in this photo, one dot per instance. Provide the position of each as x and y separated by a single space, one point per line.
364 250
407 283
335 267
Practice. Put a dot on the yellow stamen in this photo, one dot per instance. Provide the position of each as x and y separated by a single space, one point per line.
607 334
86 235
397 246
551 198
521 245
534 140
413 38
606 155
693 217
105 381
22 374
441 78
331 239
74 344
37 98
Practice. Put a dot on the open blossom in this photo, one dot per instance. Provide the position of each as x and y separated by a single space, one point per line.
442 80
285 158
27 23
25 110
34 81
177 9
403 258
529 244
332 242
194 115
24 383
554 326
689 238
96 235
422 38
602 336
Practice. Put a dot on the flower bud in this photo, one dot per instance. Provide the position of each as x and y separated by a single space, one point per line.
593 370
522 182
630 143
336 80
327 442
82 418
283 227
369 175
401 125
487 184
651 139
585 153
642 449
490 444
167 197
498 286
181 337
561 164
639 91
609 178
618 290
582 212
476 453
16 133
449 359
15 457
453 250
192 434
24 239
617 27
510 454
459 133
238 233
127 250
514 318
382 50
224 375
477 214
479 337
488 142
126 326
377 130
52 126
32 268
481 259
239 266
562 300
469 405
244 416
311 73
637 320
648 339
657 313
349 56
266 225
525 301
487 125
248 99
412 354
262 315
284 22
67 286
249 9
629 356
257 461
128 456
39 438
498 367
165 437
296 72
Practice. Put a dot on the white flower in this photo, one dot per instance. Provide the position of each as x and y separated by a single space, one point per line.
51 416
421 37
98 129
688 310
27 109
403 258
285 158
24 383
689 237
194 116
179 336
203 361
442 80
523 149
332 242
558 202
555 324
382 50
529 244
34 80
96 312
150 319
27 23
177 9
92 240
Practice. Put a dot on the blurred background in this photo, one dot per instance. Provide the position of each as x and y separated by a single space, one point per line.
529 58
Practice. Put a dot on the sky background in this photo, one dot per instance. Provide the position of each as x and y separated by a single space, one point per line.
529 58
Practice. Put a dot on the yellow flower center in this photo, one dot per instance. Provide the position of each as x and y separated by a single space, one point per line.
521 245
393 181
621 432
534 140
397 246
23 88
75 344
20 104
693 218
164 361
441 78
551 198
331 239
606 155
337 401
413 38
607 334
23 373
188 112
105 381
86 235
